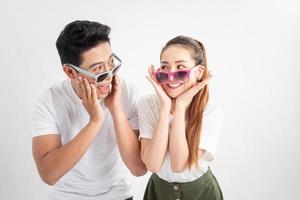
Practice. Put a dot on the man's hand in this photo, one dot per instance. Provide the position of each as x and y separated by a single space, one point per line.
113 100
90 101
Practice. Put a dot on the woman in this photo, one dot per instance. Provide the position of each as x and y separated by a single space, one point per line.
179 129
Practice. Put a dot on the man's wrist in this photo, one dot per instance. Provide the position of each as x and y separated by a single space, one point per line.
116 111
96 122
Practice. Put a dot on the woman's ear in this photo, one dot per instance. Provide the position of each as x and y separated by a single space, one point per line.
69 71
200 72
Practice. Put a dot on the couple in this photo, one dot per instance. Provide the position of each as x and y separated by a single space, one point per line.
89 129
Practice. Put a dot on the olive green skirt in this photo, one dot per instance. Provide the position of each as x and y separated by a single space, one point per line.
205 188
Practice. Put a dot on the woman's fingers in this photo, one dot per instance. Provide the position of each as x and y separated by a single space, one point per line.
202 84
199 85
151 81
151 70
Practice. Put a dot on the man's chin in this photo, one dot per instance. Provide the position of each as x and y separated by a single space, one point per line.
102 96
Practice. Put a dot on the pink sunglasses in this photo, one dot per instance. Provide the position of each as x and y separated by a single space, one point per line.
180 76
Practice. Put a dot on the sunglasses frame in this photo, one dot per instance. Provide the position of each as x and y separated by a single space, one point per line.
96 76
172 74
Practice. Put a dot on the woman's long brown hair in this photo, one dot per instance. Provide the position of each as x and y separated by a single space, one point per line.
199 102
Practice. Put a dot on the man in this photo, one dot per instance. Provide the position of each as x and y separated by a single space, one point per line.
86 125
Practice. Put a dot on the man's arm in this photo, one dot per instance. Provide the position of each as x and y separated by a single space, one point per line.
54 160
127 140
129 145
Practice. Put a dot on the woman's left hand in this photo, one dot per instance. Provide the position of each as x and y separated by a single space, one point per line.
186 98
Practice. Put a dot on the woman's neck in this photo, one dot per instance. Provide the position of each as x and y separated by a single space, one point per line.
173 109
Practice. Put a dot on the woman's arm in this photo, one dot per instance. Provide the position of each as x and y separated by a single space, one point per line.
179 150
154 150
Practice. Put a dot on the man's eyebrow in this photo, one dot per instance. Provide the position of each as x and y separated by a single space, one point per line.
101 62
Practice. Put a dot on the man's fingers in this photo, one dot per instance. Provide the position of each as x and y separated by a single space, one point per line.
81 87
93 92
87 88
117 82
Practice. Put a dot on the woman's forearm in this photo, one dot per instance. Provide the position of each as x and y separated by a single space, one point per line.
178 146
154 151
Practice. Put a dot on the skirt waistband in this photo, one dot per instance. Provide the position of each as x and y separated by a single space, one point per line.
205 178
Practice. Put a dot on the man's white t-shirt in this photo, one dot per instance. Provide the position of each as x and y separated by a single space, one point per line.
100 174
148 111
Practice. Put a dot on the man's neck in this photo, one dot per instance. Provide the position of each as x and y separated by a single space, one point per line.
75 88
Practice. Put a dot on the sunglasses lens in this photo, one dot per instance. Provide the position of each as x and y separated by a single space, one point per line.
161 77
102 77
181 76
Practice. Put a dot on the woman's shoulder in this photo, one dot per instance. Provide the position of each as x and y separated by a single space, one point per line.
150 101
213 109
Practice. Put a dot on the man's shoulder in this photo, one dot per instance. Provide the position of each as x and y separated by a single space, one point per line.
59 87
54 91
127 85
130 92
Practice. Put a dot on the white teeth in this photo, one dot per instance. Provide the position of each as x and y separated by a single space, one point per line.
103 86
174 85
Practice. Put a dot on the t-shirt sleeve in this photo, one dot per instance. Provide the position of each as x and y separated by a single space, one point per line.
43 120
147 118
132 113
211 131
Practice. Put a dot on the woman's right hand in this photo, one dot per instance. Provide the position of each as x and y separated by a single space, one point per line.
90 100
165 100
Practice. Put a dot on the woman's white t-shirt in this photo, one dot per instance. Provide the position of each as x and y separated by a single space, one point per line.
100 173
149 109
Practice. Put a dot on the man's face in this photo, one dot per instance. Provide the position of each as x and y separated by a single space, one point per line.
96 61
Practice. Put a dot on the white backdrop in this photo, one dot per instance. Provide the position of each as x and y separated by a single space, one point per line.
253 50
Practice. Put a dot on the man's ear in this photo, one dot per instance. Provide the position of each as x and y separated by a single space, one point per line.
69 71
200 72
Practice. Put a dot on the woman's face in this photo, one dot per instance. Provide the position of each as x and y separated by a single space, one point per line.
178 57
